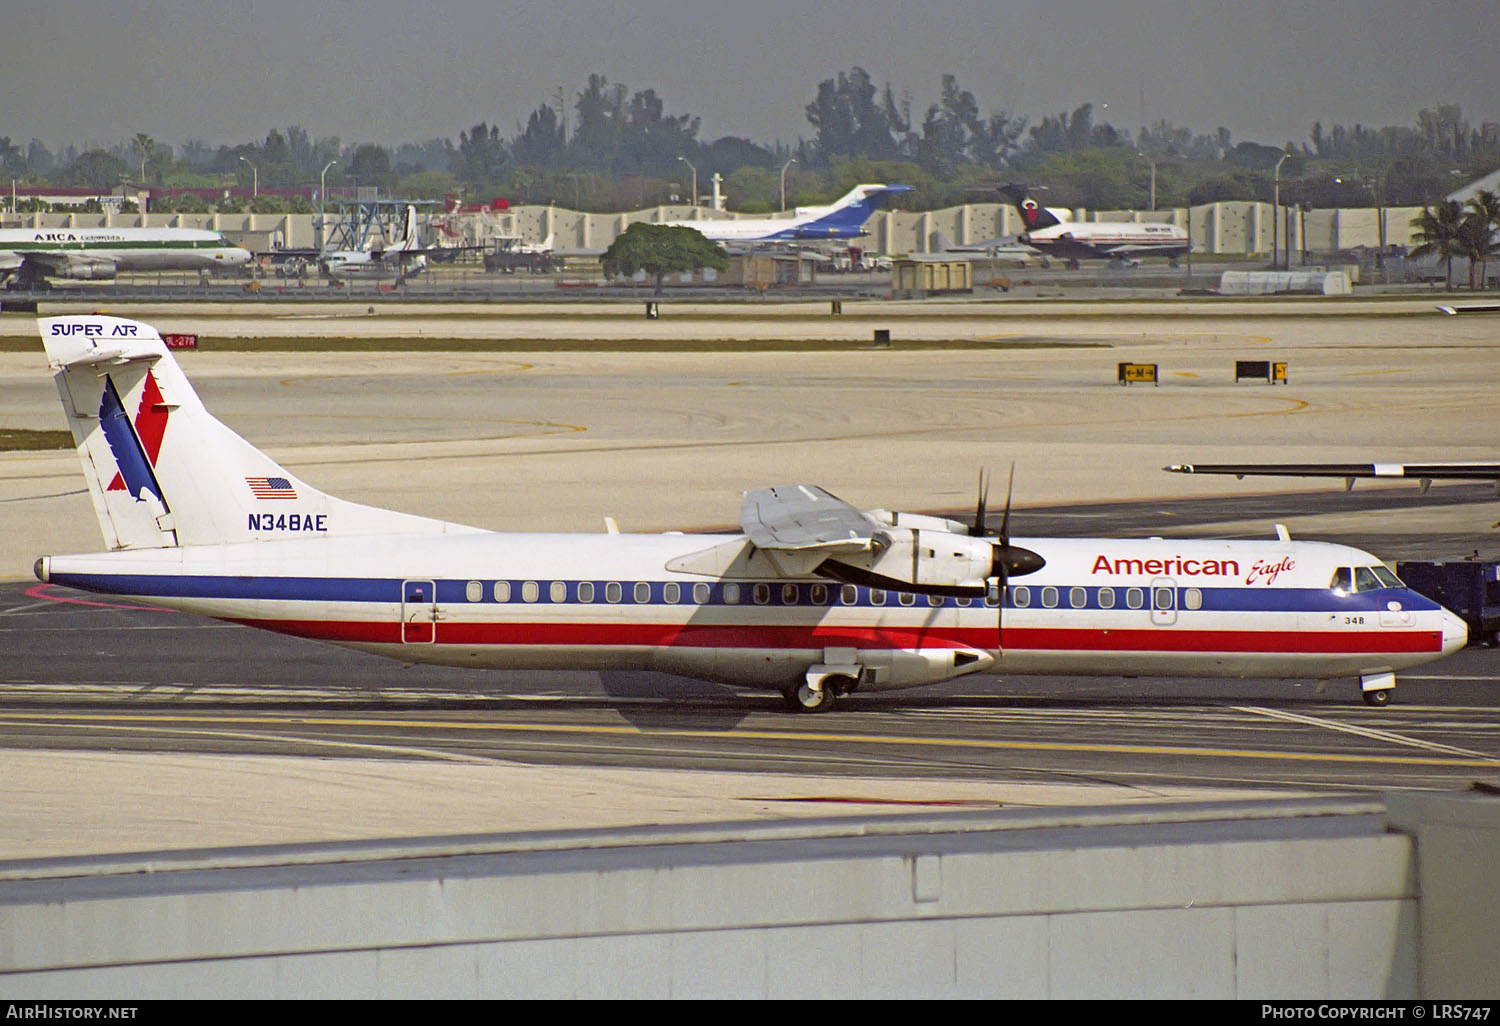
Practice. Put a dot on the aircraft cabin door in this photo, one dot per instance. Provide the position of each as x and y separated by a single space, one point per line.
1163 601
418 612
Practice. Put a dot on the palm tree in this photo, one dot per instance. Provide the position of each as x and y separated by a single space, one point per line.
1476 241
1485 208
143 144
1437 232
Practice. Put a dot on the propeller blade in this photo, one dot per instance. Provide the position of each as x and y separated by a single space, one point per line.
979 529
1005 520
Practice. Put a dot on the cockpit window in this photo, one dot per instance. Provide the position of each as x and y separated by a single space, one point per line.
1363 578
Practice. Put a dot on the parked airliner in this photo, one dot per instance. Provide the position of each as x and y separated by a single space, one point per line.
1122 242
29 256
844 219
383 263
813 598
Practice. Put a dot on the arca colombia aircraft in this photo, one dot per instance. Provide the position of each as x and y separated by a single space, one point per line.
1121 242
813 599
29 256
844 219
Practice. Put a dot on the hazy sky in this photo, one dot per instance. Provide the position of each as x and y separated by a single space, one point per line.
79 71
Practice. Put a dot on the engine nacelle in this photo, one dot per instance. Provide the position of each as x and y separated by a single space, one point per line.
926 561
86 269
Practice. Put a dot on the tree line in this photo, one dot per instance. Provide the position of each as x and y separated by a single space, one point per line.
619 149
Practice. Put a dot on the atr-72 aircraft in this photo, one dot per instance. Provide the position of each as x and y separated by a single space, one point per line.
813 598
29 256
1122 242
844 219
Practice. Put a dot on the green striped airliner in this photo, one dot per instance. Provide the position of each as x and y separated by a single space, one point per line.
28 256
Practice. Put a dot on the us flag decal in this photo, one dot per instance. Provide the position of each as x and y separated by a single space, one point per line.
271 488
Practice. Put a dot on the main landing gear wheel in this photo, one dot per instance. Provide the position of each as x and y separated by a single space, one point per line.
802 698
1379 698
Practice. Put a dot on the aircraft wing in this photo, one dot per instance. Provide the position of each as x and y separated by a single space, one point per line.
803 517
1424 472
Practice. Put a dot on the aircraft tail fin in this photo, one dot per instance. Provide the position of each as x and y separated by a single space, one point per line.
853 210
1033 215
161 470
411 238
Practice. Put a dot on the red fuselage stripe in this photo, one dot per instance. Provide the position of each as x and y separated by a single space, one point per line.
1041 639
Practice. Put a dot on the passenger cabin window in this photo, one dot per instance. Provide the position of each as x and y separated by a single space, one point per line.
1077 598
473 591
701 593
502 591
529 591
1192 598
731 594
820 594
848 594
585 591
1049 597
1021 596
1134 598
642 592
671 592
934 600
1106 598
907 599
558 591
761 593
613 592
789 594
877 596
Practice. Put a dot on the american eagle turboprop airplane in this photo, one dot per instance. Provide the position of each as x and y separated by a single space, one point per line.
814 598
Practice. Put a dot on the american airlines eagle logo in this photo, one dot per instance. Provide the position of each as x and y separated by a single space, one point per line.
135 442
1028 212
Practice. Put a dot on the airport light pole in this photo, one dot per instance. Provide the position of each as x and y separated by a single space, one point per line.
693 169
1275 212
322 202
783 180
254 180
1153 177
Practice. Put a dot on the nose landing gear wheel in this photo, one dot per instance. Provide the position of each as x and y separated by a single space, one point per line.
1378 698
803 698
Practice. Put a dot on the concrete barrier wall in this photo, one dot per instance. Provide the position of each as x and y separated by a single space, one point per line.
1308 899
1217 228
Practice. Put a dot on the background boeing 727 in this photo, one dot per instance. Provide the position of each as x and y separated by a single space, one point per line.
843 219
814 598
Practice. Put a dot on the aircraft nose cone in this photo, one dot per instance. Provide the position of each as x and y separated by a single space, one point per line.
1455 633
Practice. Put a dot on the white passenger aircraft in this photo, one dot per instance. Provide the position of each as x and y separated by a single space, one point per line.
1121 242
29 256
813 599
383 263
844 219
